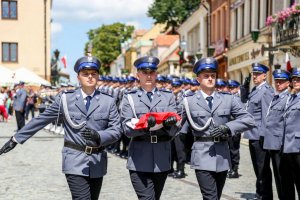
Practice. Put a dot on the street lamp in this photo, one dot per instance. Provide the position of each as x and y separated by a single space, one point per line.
255 35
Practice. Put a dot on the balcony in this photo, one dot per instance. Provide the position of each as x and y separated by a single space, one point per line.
287 32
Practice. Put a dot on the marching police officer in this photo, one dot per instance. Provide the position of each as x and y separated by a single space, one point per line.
291 146
257 105
91 121
149 151
234 141
274 129
19 104
208 114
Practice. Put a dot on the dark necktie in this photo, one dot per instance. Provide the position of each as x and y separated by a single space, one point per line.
88 102
209 99
253 89
275 97
149 95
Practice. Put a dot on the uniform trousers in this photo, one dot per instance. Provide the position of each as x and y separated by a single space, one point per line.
211 183
148 185
293 160
261 165
83 187
234 147
20 117
283 176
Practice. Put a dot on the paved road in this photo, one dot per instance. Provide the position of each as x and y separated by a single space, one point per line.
32 171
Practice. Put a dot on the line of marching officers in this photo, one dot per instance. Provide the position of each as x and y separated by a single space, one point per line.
92 122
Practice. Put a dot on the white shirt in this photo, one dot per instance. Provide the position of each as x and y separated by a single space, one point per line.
3 97
154 89
84 95
205 95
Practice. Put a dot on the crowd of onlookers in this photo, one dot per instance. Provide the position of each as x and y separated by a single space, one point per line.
7 99
6 102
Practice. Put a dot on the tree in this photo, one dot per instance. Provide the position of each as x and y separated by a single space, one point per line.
172 12
106 42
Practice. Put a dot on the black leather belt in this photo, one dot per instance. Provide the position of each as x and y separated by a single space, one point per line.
210 139
87 149
152 138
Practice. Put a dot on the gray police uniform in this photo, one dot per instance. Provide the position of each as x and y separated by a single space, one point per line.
215 156
274 130
291 148
157 154
210 154
19 107
257 105
101 117
89 126
149 152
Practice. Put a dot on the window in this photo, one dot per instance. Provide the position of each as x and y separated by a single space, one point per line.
9 52
9 9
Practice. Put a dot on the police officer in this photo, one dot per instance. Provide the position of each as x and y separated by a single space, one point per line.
208 114
91 121
257 105
221 85
19 104
274 129
291 146
234 141
149 151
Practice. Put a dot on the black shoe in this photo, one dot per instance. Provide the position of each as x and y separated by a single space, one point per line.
179 174
171 173
257 197
124 154
233 174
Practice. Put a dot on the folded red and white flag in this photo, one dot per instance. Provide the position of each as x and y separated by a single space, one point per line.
160 117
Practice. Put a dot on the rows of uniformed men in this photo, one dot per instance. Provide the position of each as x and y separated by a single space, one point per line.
211 116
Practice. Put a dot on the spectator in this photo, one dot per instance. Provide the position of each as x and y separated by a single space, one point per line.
3 97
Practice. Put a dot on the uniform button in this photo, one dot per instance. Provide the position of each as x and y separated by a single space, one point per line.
87 118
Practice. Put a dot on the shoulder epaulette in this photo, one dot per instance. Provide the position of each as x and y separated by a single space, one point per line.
68 91
130 91
102 92
189 94
165 90
225 93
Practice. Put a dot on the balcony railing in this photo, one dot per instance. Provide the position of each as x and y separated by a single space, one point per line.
287 31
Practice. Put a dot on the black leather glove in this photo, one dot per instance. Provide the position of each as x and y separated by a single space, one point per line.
221 130
8 146
151 122
90 134
170 121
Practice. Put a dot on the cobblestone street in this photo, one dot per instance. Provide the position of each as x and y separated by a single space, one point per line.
33 172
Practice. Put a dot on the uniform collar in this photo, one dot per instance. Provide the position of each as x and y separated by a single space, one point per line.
260 85
205 95
84 95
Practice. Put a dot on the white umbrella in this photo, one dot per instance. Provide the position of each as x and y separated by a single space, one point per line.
6 76
29 77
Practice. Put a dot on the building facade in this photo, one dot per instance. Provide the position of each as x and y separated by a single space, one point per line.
25 35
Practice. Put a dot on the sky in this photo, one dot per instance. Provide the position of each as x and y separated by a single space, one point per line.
72 19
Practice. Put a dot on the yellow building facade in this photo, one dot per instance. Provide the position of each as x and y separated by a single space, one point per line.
25 28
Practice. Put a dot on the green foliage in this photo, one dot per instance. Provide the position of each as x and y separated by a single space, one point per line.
172 12
106 42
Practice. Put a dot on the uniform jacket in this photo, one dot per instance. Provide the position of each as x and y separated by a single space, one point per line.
145 156
102 116
274 126
20 99
215 156
292 131
257 105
